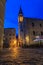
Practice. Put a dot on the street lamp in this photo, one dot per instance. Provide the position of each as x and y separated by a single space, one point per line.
15 42
27 39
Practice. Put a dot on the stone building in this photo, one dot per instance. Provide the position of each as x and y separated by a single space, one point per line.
33 28
29 29
2 9
9 37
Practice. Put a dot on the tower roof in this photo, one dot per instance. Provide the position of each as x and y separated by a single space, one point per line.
20 11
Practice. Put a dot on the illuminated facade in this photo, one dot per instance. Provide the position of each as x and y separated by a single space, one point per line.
29 29
2 8
9 37
33 28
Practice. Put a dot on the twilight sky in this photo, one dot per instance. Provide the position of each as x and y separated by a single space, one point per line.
30 8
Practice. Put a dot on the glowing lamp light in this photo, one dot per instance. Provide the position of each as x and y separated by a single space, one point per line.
27 39
15 41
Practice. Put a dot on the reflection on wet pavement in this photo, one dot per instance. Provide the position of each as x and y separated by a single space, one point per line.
20 56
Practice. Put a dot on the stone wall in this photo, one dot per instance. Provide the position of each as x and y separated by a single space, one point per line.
2 8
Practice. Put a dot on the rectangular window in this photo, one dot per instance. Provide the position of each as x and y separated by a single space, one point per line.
40 25
41 33
32 24
33 32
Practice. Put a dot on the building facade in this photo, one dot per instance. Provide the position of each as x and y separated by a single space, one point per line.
29 29
33 28
2 9
9 37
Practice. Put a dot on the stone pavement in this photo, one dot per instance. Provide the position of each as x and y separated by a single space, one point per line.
20 56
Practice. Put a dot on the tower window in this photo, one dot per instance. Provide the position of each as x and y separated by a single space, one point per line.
32 24
33 32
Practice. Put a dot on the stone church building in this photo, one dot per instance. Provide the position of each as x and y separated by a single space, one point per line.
29 28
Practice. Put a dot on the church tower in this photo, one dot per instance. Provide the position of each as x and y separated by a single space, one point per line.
2 9
20 26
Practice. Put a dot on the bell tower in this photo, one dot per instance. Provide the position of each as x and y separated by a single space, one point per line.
20 26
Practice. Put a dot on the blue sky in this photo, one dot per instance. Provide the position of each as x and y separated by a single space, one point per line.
30 8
